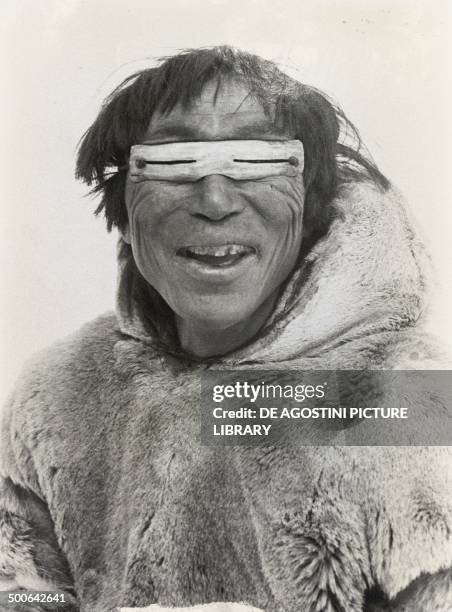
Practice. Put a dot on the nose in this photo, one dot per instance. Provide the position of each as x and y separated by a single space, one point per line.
216 198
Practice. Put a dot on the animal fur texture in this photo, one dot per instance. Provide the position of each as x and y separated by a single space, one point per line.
108 494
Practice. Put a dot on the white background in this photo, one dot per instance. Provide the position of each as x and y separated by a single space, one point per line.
386 62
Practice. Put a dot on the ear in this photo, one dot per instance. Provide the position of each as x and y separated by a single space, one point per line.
125 233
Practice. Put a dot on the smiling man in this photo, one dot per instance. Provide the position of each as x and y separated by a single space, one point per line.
254 234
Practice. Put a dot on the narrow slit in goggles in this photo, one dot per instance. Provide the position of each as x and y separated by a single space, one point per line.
236 159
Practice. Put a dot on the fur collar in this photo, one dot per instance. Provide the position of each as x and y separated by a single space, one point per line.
362 283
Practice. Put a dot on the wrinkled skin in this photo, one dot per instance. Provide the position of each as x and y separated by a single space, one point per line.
216 313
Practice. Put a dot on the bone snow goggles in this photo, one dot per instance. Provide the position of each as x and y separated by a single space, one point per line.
241 160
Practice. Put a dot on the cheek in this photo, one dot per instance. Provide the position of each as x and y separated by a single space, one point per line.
288 203
143 206
148 207
280 203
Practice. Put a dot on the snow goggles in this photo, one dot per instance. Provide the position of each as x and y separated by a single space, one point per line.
241 160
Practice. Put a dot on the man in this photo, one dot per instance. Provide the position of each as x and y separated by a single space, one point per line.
252 236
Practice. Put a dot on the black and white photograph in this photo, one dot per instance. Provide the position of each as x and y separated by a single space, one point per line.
226 342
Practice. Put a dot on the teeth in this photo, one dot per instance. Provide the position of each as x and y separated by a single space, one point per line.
219 251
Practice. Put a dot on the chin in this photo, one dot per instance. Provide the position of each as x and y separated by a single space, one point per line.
218 315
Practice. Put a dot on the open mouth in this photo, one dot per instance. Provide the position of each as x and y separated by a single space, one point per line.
220 256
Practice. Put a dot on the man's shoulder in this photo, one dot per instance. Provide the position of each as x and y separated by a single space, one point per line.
94 338
68 367
84 347
61 380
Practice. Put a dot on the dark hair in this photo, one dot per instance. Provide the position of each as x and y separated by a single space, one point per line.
334 153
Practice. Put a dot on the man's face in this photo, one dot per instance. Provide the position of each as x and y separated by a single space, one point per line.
216 249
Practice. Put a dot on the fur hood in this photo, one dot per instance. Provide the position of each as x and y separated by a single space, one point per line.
363 284
108 494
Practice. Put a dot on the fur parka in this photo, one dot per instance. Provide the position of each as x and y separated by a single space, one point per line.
107 493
